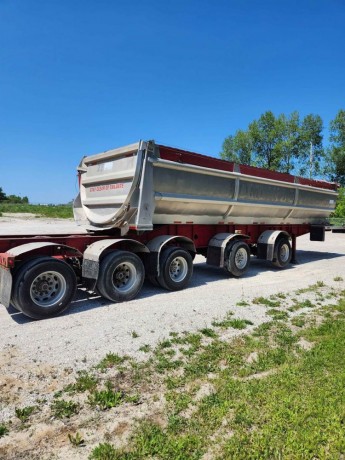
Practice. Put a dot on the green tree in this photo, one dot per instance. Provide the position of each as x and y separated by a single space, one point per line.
340 206
266 134
238 148
310 137
13 199
2 195
288 145
336 160
279 143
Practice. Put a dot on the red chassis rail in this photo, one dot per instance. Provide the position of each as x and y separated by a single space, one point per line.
199 234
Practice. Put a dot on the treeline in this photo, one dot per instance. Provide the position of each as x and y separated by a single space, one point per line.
291 144
12 198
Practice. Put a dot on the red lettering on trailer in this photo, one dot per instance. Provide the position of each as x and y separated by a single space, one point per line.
101 188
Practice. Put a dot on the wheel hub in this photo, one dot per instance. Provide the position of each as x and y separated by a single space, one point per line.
42 286
241 258
124 276
47 289
178 269
284 252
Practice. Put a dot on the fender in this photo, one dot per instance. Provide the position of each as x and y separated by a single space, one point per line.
156 245
267 241
8 261
93 254
217 245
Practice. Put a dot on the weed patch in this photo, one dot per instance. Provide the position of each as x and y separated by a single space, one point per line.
311 288
111 360
242 303
84 382
3 430
207 332
64 409
267 302
24 413
106 399
145 348
76 440
104 451
277 314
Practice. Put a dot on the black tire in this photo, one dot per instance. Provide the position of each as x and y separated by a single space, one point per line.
28 264
121 276
43 287
237 258
176 269
282 253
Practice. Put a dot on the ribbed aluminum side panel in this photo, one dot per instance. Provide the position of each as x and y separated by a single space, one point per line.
186 193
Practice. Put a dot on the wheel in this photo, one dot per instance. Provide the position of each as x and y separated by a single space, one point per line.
121 276
176 269
282 253
28 264
43 287
237 258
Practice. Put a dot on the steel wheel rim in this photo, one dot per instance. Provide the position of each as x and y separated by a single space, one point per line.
178 269
47 289
124 276
284 252
241 258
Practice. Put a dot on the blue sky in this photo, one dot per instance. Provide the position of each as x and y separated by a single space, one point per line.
82 76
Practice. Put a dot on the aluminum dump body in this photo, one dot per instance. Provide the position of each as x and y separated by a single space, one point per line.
145 184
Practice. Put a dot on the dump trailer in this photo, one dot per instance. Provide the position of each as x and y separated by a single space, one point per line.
148 210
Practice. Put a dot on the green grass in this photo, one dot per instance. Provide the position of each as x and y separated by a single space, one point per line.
235 323
242 303
106 399
145 348
302 304
55 211
267 302
208 332
77 440
111 360
311 288
260 395
284 403
277 314
64 409
3 430
104 451
298 321
24 413
84 382
228 322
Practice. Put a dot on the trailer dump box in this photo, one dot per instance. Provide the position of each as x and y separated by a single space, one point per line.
143 184
148 210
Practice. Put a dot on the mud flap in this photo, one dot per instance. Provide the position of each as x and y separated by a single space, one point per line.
90 273
5 286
